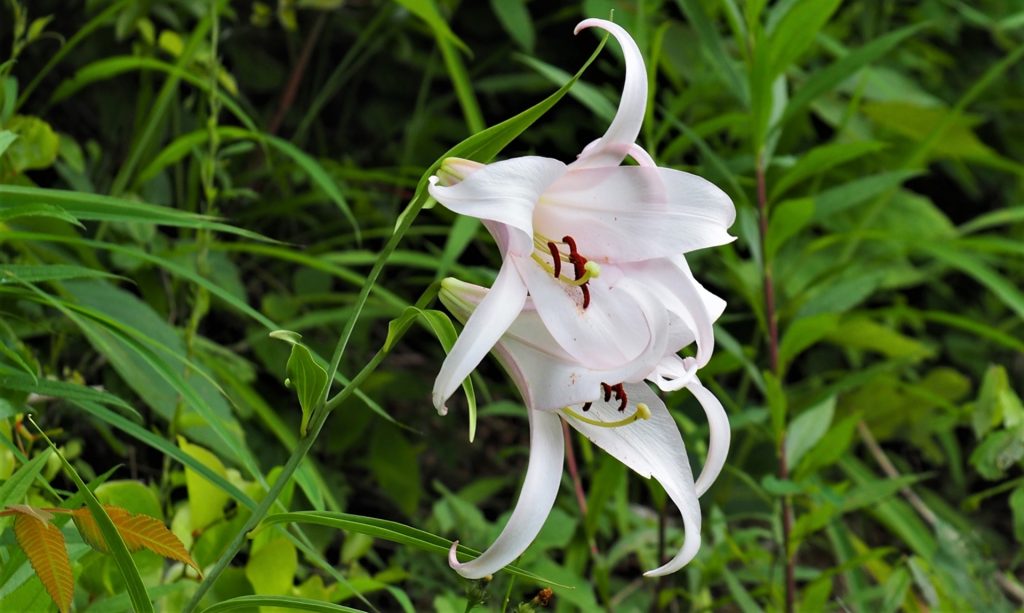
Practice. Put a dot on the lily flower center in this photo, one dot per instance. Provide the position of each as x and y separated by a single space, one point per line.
550 255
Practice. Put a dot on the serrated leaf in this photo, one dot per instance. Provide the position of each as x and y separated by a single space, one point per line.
138 532
43 543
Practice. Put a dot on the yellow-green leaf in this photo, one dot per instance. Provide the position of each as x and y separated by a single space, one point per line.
206 500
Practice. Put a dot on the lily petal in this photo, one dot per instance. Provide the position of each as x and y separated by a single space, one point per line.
612 148
548 377
653 448
613 331
693 309
494 314
543 475
632 213
718 445
505 192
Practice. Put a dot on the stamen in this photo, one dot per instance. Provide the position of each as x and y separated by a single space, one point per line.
607 389
586 296
642 412
586 406
556 257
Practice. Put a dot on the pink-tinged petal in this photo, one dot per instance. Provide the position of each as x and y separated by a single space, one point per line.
494 314
692 308
611 332
611 148
718 445
505 192
653 448
540 488
547 376
632 213
673 373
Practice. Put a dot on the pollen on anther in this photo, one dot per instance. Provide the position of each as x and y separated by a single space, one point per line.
586 406
607 389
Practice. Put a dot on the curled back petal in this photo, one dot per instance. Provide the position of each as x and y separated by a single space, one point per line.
653 448
493 315
634 213
543 475
718 445
505 192
610 149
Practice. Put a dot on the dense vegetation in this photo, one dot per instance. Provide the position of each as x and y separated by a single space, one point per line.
179 178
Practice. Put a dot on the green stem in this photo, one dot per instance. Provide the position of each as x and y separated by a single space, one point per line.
300 452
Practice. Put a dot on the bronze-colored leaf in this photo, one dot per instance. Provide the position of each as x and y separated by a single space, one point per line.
43 543
138 532
90 530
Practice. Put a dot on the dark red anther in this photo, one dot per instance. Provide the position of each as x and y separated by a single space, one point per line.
620 395
579 267
607 389
557 257
586 406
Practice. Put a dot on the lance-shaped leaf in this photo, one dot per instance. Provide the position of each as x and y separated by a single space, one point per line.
138 531
305 375
43 543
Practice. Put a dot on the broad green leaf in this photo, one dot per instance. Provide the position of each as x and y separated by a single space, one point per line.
271 568
804 333
206 499
830 447
787 220
807 429
394 463
36 145
305 375
918 122
862 333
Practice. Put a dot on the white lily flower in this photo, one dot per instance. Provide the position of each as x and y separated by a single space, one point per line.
569 234
626 419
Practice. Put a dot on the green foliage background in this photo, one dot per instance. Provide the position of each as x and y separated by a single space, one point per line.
179 178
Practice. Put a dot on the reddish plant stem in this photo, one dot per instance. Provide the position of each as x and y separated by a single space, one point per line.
771 319
290 90
574 473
